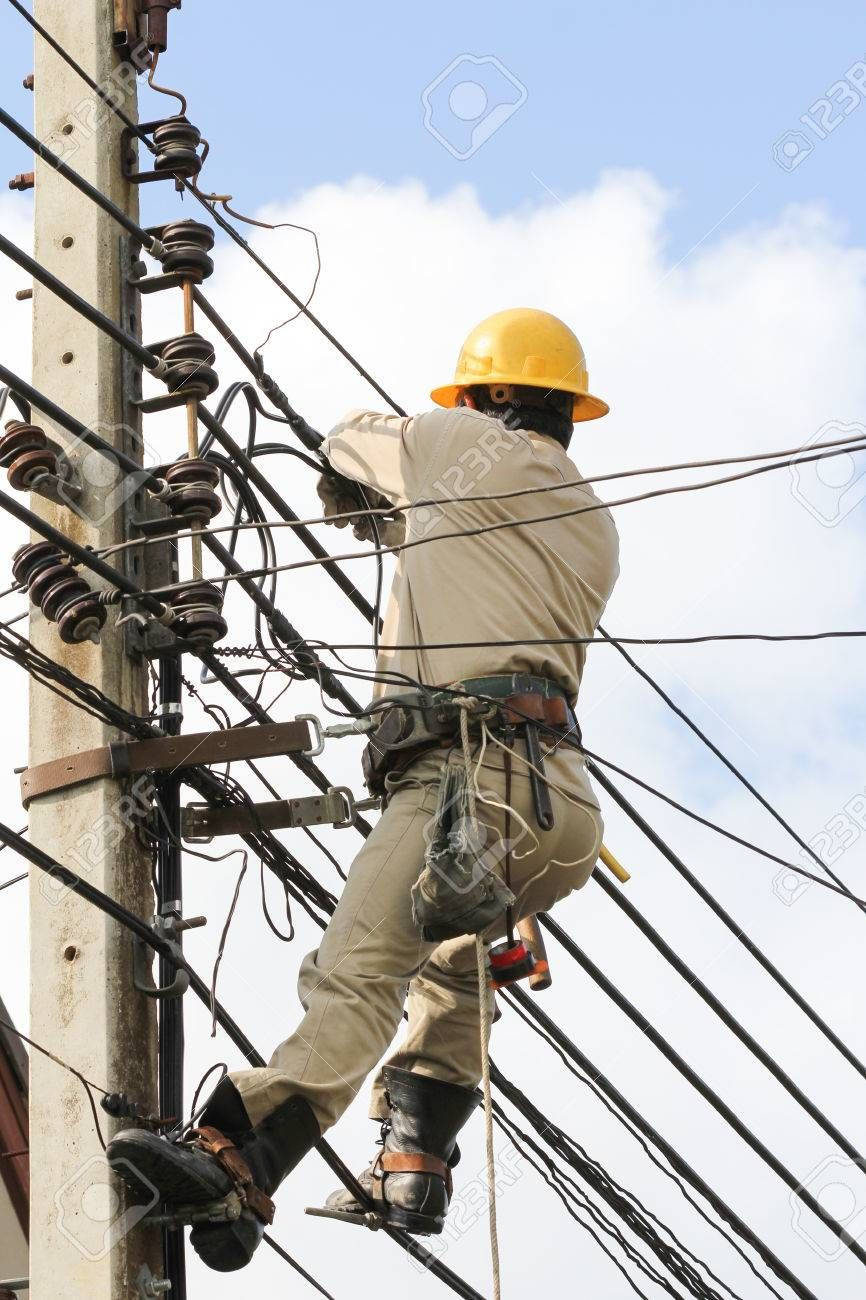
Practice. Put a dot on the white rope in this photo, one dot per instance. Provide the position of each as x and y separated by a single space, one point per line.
465 706
484 1008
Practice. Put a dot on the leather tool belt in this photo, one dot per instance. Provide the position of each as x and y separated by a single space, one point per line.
420 721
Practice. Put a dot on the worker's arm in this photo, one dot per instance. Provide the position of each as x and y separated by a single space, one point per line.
376 451
370 450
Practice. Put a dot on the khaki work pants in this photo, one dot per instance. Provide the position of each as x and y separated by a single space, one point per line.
354 986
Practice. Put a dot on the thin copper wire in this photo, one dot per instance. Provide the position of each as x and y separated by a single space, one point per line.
165 90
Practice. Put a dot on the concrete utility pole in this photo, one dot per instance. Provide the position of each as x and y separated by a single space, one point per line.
83 1239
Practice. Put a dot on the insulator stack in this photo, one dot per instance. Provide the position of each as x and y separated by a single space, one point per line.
177 142
198 616
186 246
193 490
62 594
190 359
25 454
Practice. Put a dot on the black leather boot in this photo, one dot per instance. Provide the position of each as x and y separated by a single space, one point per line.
222 1156
410 1180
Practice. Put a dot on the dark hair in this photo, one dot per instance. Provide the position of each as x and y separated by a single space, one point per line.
539 409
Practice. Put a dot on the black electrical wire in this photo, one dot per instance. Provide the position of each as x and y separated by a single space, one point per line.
732 768
89 893
677 1259
225 225
28 396
549 1173
593 761
728 1019
608 1099
739 934
75 178
74 300
701 1086
647 641
16 5
484 529
261 483
284 1254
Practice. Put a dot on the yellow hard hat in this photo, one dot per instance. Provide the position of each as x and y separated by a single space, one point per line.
524 346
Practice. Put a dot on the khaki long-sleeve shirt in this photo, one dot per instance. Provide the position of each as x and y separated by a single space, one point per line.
535 580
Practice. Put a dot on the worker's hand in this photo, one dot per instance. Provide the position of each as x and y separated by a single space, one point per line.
341 496
338 497
392 531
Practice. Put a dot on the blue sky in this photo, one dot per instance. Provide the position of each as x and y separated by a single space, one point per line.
292 95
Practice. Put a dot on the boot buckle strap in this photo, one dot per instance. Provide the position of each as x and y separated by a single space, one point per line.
228 1157
412 1162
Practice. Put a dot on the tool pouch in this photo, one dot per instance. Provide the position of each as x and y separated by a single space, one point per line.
404 734
458 891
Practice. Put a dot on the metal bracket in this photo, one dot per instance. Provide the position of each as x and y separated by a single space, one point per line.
63 488
338 808
169 924
166 401
129 137
156 283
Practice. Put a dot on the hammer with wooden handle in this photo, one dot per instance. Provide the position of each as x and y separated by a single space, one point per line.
530 932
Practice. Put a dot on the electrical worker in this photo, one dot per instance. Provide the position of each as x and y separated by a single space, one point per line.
488 812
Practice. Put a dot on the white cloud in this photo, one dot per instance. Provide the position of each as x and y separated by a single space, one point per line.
750 343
